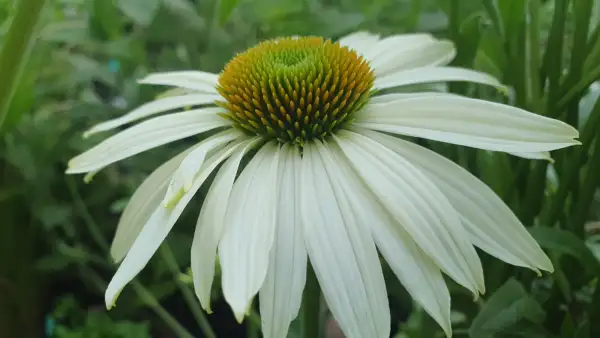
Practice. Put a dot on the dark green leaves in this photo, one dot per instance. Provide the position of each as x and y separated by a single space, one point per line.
565 242
508 307
225 9
141 12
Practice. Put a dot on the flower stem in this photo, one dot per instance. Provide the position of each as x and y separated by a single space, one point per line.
144 294
16 43
151 301
188 295
311 306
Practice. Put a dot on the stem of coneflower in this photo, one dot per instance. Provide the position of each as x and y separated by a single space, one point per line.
311 302
144 294
16 42
188 294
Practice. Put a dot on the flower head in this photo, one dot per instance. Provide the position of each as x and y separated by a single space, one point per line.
295 89
329 181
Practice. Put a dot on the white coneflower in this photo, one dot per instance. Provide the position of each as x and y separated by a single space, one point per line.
326 181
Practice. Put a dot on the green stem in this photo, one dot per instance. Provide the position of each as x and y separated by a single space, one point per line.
569 179
252 331
188 295
589 185
143 293
311 302
89 222
552 66
16 43
146 296
534 55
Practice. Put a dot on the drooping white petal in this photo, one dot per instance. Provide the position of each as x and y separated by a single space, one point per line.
427 53
361 42
202 82
393 97
416 203
491 225
416 271
281 293
152 108
142 204
157 228
434 74
143 136
395 43
397 52
540 155
210 225
250 228
468 122
183 178
341 251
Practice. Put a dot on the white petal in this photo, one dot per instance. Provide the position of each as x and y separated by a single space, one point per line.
540 155
195 80
211 223
415 270
361 42
250 229
492 226
151 108
418 206
434 74
156 230
281 293
397 52
393 97
393 43
468 122
184 176
143 136
143 202
427 53
341 251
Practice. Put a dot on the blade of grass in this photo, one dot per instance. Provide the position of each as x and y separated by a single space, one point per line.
582 12
552 68
587 137
590 183
188 295
14 49
144 294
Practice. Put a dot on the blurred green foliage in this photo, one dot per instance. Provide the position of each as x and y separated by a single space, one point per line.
55 230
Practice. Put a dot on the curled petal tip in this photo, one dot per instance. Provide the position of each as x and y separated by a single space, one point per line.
89 177
88 133
503 89
239 317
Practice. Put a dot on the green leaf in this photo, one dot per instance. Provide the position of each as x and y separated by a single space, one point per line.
105 19
468 40
490 57
491 7
594 312
507 307
565 242
140 11
176 20
512 13
226 7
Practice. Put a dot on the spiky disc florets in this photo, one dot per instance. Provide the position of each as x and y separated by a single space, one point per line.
294 89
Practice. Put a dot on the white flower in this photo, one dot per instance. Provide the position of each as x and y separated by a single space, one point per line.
326 181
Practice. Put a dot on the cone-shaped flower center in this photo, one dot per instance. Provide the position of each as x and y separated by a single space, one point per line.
294 89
